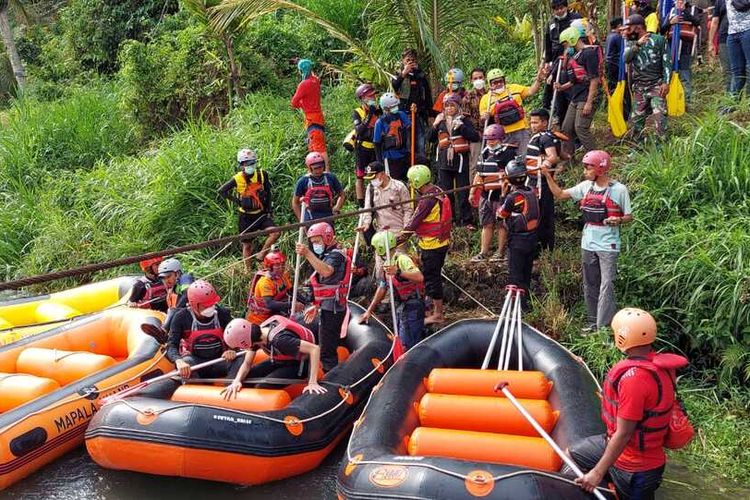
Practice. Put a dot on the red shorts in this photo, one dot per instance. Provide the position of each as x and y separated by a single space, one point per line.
316 139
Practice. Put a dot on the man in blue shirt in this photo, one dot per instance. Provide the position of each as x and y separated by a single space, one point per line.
605 204
391 137
612 54
320 191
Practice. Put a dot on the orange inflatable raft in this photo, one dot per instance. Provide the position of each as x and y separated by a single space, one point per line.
50 383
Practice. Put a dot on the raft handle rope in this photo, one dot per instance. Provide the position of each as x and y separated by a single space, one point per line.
468 294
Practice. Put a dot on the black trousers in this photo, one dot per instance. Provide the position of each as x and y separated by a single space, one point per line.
561 108
521 250
546 229
329 334
463 214
432 269
277 369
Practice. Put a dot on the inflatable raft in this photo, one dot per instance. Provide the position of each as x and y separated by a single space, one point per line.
435 428
50 383
263 435
29 315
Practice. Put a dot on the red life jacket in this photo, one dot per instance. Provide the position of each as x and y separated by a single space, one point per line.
318 197
526 220
597 206
203 340
441 228
652 431
280 324
337 291
257 305
508 111
406 289
154 290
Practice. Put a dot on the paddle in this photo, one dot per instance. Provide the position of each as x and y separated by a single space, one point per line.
615 113
298 261
398 348
354 255
503 387
413 132
259 380
515 321
139 387
676 94
500 320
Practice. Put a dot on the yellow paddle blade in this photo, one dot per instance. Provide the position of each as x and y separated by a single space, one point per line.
614 111
676 96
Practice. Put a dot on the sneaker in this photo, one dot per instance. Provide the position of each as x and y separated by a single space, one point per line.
480 257
498 257
589 328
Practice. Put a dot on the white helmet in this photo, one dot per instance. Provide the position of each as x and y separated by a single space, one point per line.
167 266
388 100
244 155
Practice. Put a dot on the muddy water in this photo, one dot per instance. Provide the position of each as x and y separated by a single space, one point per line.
77 477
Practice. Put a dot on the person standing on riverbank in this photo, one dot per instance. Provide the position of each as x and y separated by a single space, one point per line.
605 204
307 99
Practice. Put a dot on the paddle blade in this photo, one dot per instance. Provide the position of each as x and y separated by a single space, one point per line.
345 324
398 348
676 97
615 114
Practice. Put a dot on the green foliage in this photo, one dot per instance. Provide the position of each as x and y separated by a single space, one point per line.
94 29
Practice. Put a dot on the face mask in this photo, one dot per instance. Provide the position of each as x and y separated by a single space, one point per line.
561 16
208 312
394 110
250 169
318 248
454 86
371 102
376 182
494 147
478 84
571 51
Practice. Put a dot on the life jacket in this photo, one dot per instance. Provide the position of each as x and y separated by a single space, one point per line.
526 220
394 135
203 341
575 72
597 206
658 427
174 293
337 291
406 289
256 306
441 228
279 324
452 139
490 169
154 291
508 111
251 191
366 142
318 197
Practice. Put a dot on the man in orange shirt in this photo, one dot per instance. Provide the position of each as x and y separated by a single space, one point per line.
307 98
270 290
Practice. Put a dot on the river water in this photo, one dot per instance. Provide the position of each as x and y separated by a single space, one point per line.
77 477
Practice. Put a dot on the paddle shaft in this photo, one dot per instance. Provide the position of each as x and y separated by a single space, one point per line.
554 92
354 255
503 386
258 380
390 287
298 260
500 320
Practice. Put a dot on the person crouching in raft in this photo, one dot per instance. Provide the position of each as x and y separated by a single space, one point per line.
148 292
176 283
270 290
196 333
432 223
330 283
288 345
640 410
408 286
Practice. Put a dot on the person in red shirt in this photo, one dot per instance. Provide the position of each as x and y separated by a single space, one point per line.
307 98
637 402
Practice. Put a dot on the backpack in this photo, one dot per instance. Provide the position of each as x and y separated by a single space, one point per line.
394 136
508 111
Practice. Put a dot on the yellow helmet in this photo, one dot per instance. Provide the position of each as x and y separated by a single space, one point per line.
632 328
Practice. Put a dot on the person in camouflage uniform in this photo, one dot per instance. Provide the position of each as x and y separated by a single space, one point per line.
651 63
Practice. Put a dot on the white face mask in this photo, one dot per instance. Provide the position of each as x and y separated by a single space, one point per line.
250 169
209 312
318 248
478 84
376 182
394 110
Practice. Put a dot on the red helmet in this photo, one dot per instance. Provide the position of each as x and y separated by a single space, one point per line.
147 263
314 158
364 90
599 160
239 333
273 258
494 132
201 292
323 229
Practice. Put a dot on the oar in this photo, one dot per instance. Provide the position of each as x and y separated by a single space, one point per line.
413 110
398 350
503 387
354 256
139 387
615 112
259 380
676 93
561 61
500 319
504 361
298 261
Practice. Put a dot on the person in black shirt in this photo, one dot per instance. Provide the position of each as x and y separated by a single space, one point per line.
614 46
412 86
717 40
553 50
148 292
545 149
287 343
196 334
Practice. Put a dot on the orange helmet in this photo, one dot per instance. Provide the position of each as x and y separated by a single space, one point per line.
147 263
632 328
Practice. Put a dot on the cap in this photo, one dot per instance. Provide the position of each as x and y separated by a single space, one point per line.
635 20
373 168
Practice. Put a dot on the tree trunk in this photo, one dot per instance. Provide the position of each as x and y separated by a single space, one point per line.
10 47
235 91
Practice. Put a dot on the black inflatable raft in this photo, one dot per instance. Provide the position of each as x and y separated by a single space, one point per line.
414 441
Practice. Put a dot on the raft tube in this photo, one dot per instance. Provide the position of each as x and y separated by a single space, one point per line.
254 439
50 383
26 316
434 427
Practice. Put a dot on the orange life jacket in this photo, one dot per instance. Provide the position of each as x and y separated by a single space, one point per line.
251 190
256 306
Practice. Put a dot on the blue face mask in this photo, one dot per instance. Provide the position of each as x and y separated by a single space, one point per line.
250 169
394 109
318 248
571 51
